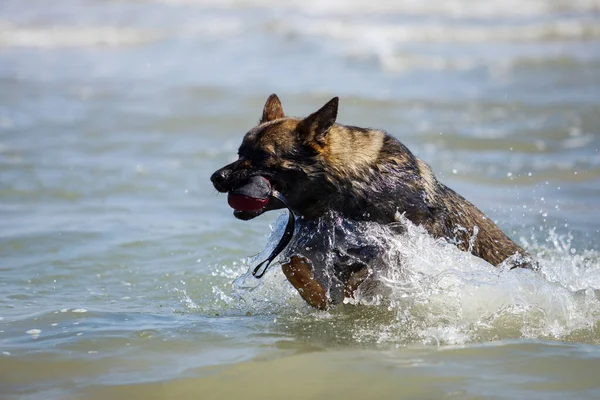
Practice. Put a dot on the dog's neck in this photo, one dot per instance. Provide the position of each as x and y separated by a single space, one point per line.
352 151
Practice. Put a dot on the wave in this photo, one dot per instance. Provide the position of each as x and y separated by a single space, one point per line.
72 36
450 8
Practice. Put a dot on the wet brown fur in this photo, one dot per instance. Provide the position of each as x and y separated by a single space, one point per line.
363 174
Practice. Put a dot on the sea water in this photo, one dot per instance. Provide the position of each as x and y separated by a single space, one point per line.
118 258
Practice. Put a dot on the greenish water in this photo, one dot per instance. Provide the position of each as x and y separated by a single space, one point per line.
117 256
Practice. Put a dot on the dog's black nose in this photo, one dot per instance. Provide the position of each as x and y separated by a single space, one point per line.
218 178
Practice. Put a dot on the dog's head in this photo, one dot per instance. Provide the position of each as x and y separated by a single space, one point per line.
282 154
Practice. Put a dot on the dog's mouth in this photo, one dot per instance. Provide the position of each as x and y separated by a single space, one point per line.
252 199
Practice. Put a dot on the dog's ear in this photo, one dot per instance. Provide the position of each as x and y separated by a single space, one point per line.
316 125
272 110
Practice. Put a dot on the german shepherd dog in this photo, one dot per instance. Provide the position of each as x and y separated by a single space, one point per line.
316 167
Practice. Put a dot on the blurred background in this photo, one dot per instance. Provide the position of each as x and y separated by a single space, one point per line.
114 113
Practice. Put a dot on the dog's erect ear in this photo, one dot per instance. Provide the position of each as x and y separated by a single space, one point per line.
316 125
272 109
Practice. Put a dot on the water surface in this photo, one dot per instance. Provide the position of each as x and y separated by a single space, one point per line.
117 256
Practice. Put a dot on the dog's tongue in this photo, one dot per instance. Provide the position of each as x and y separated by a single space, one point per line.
251 196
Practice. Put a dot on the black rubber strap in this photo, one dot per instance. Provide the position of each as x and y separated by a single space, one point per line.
285 239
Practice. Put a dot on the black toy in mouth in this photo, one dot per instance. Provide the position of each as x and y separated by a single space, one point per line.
252 199
253 195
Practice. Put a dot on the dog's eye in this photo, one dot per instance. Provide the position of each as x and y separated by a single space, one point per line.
263 155
263 158
266 162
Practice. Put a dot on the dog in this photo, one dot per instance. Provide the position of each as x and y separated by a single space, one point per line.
325 171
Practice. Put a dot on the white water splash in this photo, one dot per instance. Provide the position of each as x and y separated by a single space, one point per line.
439 294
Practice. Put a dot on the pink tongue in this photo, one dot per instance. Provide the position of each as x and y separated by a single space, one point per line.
245 203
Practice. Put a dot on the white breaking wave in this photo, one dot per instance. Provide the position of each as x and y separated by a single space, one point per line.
399 36
436 32
60 36
402 46
450 8
72 36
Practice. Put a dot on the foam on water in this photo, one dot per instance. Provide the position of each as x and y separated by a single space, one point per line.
431 292
455 8
70 36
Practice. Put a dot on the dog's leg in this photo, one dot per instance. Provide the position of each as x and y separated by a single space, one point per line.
355 280
299 272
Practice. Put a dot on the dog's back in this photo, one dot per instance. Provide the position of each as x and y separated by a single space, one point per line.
385 180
